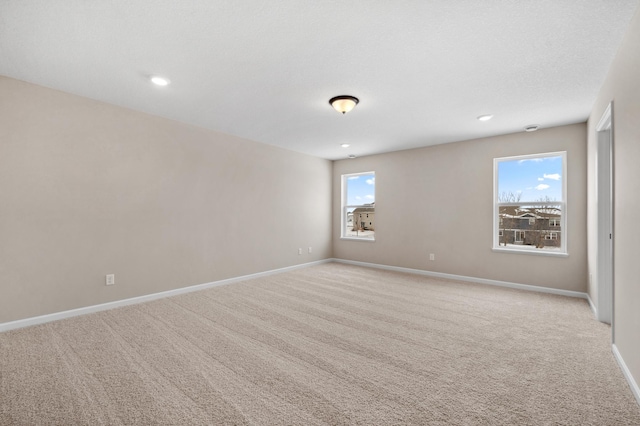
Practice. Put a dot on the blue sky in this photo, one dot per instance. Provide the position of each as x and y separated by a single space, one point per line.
535 179
361 189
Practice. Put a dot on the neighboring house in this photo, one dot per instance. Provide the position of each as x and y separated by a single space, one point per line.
350 218
532 226
363 218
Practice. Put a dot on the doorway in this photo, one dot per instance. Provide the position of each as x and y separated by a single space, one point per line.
604 194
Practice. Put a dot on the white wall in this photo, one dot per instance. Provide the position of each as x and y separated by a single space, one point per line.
89 189
622 86
439 200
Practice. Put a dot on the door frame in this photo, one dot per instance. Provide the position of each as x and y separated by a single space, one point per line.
605 235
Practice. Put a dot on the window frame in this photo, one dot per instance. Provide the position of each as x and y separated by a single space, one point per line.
563 252
344 207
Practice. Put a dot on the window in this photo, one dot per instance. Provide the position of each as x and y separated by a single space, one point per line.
530 194
358 206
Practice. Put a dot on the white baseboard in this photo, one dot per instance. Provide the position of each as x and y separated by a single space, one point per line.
593 307
627 374
140 299
528 287
12 325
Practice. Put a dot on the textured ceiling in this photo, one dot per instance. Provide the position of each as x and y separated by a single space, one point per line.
265 70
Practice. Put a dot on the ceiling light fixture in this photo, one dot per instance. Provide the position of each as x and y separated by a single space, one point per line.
531 128
485 117
352 156
344 103
159 81
345 145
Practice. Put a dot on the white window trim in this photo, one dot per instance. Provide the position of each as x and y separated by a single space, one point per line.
564 251
344 206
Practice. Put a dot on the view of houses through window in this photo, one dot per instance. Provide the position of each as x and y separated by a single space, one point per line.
530 202
358 205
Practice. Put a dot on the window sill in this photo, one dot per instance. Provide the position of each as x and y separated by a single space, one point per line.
368 240
535 252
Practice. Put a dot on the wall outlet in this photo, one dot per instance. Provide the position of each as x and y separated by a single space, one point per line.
299 251
309 250
110 279
432 256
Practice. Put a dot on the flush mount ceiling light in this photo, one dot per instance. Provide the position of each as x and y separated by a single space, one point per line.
345 145
531 128
352 156
485 117
344 103
159 81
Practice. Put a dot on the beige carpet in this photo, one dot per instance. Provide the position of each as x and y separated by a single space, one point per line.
330 344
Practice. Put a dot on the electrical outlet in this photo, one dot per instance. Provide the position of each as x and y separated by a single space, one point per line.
110 279
299 251
309 250
432 256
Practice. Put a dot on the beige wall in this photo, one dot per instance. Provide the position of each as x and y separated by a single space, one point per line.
622 86
451 188
90 189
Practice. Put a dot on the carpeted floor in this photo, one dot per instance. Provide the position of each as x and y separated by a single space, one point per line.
330 344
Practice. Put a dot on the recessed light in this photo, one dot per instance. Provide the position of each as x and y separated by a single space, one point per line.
345 145
485 117
531 128
159 81
352 156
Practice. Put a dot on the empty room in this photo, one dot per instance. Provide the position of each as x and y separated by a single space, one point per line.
319 213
